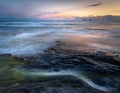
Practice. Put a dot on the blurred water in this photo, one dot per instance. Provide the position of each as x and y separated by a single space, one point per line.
27 38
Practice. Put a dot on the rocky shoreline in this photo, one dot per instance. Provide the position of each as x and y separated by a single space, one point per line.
57 58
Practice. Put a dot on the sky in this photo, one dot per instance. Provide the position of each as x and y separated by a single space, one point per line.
58 8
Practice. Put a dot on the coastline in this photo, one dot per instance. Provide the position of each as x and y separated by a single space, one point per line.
58 58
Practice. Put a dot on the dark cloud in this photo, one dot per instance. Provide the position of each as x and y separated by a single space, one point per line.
94 5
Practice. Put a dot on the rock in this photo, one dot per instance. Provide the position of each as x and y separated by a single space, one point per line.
5 55
57 58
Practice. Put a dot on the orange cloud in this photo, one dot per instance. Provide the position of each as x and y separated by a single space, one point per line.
56 16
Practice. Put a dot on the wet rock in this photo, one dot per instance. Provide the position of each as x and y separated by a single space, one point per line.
57 58
5 55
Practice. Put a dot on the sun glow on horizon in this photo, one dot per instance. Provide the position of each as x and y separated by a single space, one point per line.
71 13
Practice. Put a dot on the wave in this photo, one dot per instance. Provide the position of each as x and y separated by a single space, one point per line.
20 24
34 24
31 42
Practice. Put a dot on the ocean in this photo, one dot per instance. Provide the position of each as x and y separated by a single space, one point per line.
33 37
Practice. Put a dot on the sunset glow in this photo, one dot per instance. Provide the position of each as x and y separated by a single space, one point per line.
58 9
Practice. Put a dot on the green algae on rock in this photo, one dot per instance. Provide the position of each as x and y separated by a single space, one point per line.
7 66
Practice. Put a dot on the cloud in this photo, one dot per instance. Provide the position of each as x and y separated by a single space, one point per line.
94 5
45 13
118 10
50 12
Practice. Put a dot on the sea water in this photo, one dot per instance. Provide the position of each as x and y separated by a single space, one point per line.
32 37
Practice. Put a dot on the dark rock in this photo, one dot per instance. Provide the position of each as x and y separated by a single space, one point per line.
5 55
57 58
